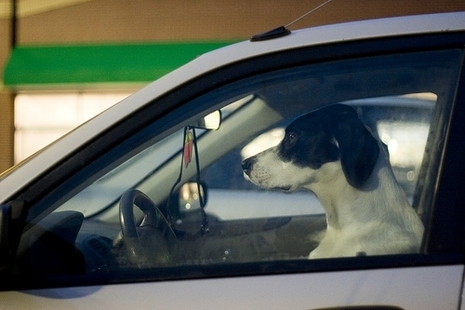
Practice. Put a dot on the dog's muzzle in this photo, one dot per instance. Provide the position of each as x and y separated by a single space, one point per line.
247 164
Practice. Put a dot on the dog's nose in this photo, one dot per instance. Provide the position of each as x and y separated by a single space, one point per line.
247 164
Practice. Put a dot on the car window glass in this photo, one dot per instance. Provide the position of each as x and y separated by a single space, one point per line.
202 210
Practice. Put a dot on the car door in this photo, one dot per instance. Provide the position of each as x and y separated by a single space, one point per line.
156 212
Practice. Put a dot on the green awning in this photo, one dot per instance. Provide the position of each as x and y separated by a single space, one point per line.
65 65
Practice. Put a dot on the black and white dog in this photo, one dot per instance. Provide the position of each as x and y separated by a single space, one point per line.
332 153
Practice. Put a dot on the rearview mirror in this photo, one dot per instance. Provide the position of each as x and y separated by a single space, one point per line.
210 121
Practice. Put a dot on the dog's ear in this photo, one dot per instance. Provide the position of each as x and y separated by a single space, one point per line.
358 148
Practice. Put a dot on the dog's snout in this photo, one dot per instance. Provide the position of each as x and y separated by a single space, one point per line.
247 164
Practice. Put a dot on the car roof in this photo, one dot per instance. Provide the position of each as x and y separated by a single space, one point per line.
19 176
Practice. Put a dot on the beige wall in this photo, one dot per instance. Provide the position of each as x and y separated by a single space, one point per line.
6 102
155 20
142 20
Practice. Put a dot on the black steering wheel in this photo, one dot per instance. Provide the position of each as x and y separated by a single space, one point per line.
148 242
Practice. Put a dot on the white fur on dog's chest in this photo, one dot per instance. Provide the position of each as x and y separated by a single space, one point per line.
375 221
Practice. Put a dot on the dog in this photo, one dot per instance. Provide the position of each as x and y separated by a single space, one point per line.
331 153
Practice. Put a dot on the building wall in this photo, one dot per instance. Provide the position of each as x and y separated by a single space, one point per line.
148 20
6 102
87 21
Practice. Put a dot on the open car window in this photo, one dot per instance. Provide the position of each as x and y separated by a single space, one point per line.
201 210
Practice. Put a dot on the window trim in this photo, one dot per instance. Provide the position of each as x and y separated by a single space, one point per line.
447 230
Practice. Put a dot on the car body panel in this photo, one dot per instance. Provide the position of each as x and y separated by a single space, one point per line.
434 288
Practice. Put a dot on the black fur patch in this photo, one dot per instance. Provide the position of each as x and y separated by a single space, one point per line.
326 135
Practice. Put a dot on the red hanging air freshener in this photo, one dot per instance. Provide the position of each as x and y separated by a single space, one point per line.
188 144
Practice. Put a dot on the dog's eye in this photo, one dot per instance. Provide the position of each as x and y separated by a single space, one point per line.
291 137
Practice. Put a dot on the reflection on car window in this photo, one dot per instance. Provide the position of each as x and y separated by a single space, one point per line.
250 216
107 190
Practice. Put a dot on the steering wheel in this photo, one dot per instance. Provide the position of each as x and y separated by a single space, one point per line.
147 243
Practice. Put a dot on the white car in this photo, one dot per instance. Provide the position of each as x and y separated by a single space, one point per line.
146 205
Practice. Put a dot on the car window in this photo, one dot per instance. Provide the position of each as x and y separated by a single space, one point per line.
175 197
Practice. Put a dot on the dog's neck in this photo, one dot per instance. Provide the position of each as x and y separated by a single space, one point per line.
333 192
346 205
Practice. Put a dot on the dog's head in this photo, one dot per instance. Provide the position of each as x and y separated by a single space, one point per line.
331 134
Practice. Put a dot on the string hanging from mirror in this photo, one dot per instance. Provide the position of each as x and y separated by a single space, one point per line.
204 225
189 149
